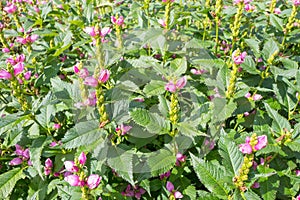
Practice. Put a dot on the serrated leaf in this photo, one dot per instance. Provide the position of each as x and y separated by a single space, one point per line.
210 176
121 161
8 181
161 161
158 124
279 122
10 121
36 152
163 106
84 133
140 116
232 157
154 88
251 195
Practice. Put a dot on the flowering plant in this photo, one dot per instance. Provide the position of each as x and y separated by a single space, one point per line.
164 99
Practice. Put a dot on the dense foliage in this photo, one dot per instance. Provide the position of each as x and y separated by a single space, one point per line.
171 99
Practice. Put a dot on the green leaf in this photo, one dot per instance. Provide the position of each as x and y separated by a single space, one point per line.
254 46
279 122
276 22
232 157
210 175
84 133
154 88
269 49
158 124
188 129
36 152
8 181
249 66
140 116
251 195
269 188
10 121
161 161
121 161
179 65
163 106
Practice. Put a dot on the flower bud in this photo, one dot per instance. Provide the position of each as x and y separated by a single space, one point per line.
82 158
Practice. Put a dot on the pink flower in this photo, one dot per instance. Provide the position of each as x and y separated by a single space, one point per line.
21 40
123 129
181 82
256 97
16 161
56 126
93 181
297 172
262 142
20 58
170 86
32 38
180 158
10 9
19 150
296 2
238 58
209 143
5 50
104 75
91 81
83 73
47 171
198 71
105 31
248 95
165 175
26 154
76 69
249 7
18 68
255 185
5 74
277 11
48 163
170 188
73 180
82 158
162 22
70 166
245 148
90 30
27 75
117 21
254 165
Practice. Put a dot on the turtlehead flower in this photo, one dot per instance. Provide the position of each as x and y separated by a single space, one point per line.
277 11
117 20
90 81
27 75
10 9
165 175
82 158
5 50
18 68
198 71
245 148
174 193
135 191
162 22
238 58
262 142
105 31
73 180
296 2
173 87
104 75
5 75
91 31
16 161
56 126
70 166
93 181
123 129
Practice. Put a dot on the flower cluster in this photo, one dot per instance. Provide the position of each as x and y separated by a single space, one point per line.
75 176
119 21
123 129
95 32
254 97
174 193
23 156
253 144
296 2
172 86
238 57
135 191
